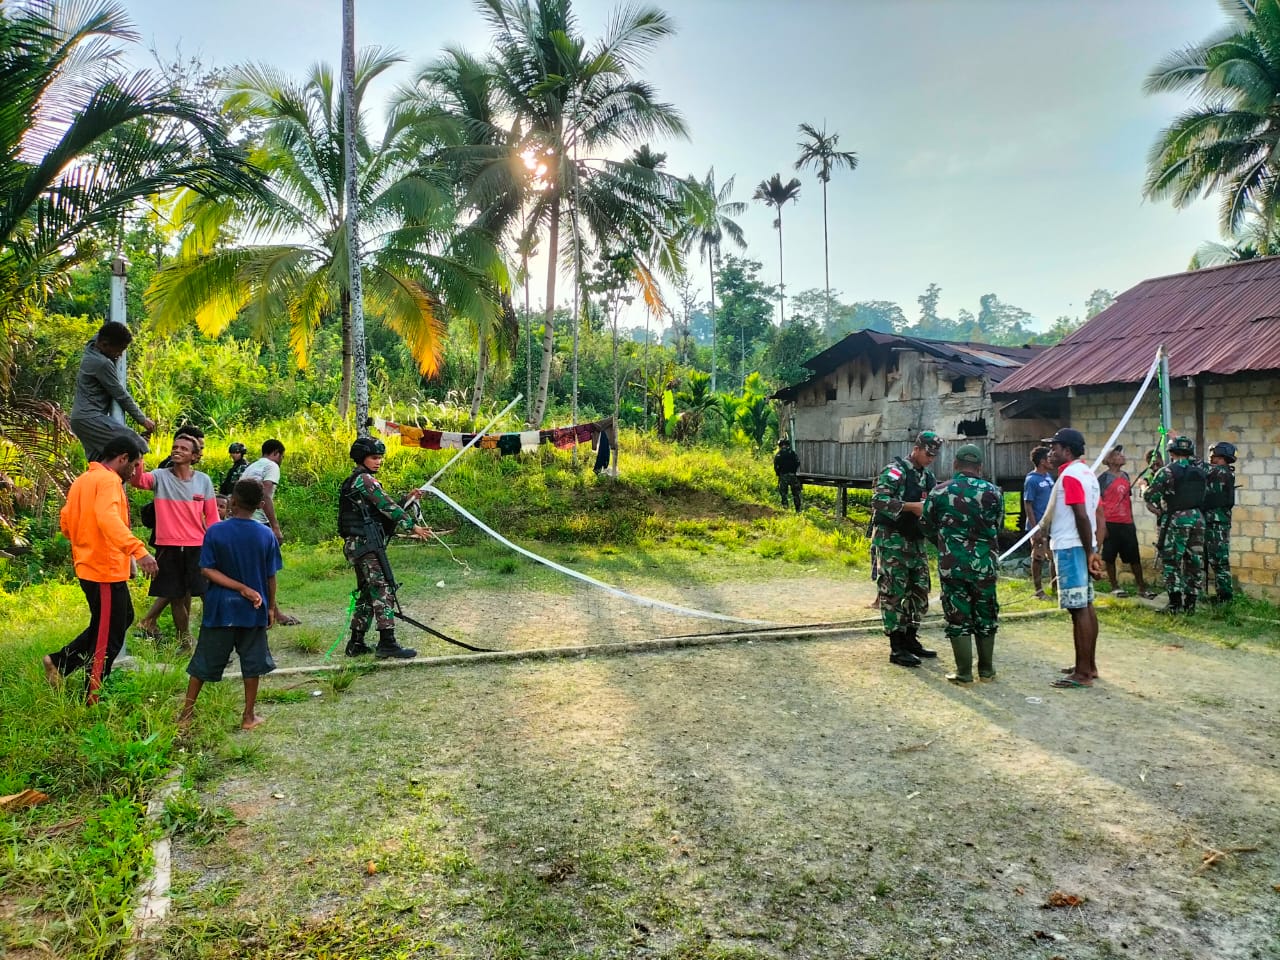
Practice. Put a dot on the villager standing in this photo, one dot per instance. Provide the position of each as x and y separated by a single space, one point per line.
266 470
786 464
1219 500
897 506
366 517
1122 533
1176 495
96 521
185 507
1036 489
965 514
1072 516
99 383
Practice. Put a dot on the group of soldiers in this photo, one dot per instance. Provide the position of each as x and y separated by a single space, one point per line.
1193 502
963 516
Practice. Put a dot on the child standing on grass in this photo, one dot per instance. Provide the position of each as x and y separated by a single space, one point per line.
239 558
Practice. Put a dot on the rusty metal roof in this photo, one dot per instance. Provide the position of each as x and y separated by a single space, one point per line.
989 361
1222 320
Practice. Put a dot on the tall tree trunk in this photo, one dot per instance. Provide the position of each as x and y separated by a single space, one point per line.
711 265
360 370
782 310
617 381
549 319
482 363
344 389
826 256
528 348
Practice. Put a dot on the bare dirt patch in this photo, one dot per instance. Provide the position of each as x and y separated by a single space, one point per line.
763 800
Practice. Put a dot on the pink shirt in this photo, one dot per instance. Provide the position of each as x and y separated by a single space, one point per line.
184 508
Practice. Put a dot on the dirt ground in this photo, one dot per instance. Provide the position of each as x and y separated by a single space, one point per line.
766 799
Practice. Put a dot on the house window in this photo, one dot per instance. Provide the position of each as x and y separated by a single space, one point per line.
972 428
957 385
831 393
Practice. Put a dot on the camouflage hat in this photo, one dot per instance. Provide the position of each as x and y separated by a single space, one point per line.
1182 445
929 441
970 453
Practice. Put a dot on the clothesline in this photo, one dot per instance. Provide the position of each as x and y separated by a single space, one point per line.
508 444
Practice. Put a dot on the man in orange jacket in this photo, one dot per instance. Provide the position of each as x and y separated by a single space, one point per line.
96 521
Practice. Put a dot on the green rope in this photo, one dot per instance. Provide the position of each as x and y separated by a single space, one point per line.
351 609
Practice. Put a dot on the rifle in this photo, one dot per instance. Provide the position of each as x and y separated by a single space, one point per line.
376 544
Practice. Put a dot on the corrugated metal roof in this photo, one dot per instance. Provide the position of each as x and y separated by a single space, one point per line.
988 361
1222 320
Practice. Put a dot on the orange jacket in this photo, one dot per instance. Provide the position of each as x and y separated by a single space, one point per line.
96 521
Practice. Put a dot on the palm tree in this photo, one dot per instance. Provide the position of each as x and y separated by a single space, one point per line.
711 213
291 264
83 145
1228 142
820 152
575 101
774 193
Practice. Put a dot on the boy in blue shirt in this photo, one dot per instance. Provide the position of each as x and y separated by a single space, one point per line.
239 558
1036 490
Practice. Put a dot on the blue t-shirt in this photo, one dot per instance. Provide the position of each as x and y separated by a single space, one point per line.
246 551
1036 491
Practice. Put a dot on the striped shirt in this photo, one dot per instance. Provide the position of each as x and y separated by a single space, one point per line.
184 508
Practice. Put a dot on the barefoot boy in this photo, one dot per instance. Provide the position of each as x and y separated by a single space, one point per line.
239 558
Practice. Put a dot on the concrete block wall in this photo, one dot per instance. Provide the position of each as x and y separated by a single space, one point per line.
1245 412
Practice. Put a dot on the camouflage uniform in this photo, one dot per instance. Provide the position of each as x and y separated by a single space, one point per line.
965 514
1219 488
1181 531
904 566
375 598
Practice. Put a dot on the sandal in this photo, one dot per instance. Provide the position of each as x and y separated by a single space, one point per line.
1119 593
1041 595
287 621
1071 683
1148 594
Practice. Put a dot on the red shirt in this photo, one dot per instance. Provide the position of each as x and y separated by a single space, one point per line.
1117 506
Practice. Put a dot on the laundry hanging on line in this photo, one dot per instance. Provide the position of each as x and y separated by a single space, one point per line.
507 444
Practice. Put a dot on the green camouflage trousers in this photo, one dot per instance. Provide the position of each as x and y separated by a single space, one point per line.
1181 556
969 607
903 586
374 599
1217 554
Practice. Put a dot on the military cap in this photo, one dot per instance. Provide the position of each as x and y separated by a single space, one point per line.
929 441
1183 445
237 447
1225 450
366 447
784 442
969 453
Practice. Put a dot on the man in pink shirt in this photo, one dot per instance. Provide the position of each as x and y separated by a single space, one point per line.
186 505
1073 513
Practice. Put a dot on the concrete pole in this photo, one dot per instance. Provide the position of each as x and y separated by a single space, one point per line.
359 368
119 276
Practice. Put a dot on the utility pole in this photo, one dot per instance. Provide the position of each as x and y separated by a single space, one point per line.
359 367
119 276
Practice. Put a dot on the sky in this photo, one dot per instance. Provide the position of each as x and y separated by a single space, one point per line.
1002 143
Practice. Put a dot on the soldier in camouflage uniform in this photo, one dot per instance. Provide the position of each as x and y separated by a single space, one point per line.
366 517
1219 499
903 585
964 514
1175 495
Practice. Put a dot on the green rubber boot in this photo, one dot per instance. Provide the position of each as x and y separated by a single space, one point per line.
962 649
986 656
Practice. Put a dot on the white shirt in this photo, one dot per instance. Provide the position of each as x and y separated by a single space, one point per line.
264 470
1076 484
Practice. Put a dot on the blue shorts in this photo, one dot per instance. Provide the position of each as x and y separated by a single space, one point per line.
216 644
1075 586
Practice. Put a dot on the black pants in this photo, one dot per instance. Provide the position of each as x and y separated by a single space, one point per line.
110 613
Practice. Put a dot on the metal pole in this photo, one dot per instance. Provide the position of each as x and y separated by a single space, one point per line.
360 372
119 277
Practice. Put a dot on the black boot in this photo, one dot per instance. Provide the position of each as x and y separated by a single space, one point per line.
1218 598
1175 603
388 649
1189 604
356 647
898 652
986 644
914 646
